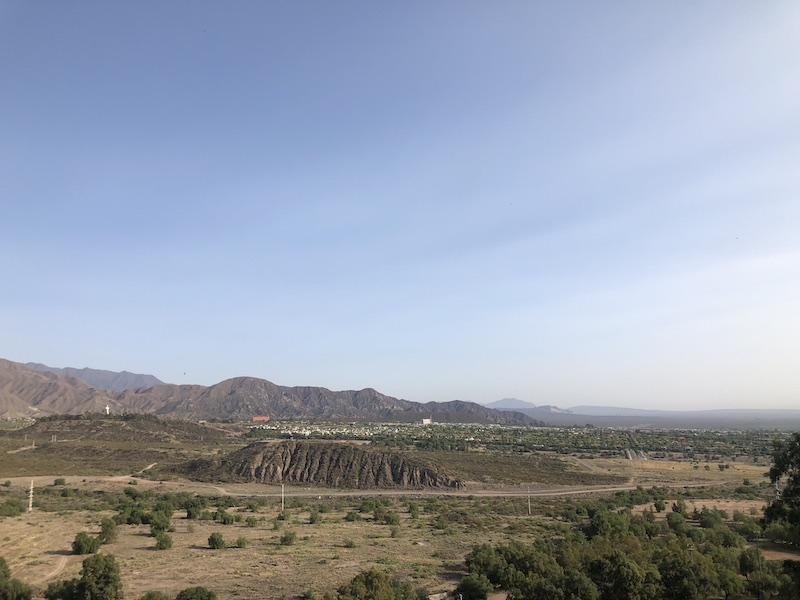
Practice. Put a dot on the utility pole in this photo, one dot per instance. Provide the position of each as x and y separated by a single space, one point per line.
30 498
282 501
529 502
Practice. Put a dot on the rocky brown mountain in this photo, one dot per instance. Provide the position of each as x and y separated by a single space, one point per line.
332 464
99 378
27 392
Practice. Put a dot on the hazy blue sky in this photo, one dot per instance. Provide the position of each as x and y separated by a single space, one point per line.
569 203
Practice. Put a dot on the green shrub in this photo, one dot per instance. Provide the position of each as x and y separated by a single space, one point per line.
11 507
288 538
108 530
251 521
241 542
99 580
60 481
159 522
163 541
12 589
196 593
352 516
154 595
216 541
85 544
474 587
391 518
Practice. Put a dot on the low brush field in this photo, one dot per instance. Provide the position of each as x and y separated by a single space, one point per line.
85 471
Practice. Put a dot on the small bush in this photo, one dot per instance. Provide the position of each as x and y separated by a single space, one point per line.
108 530
163 541
391 518
60 481
154 595
251 521
85 544
352 516
288 538
196 593
350 543
241 542
216 541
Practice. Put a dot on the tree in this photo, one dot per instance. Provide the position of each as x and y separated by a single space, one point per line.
108 531
163 541
196 593
154 595
687 574
85 544
474 587
12 589
216 541
376 585
99 580
786 468
618 577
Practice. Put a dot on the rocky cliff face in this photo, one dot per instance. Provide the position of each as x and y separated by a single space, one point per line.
327 464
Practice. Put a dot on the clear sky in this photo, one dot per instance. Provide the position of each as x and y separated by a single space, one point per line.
564 202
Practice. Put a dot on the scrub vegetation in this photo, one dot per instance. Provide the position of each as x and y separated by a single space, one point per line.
585 524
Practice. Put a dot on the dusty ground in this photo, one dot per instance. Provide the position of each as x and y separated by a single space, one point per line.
667 472
325 555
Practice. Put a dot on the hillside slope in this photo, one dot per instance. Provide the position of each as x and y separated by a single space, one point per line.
329 464
25 393
28 392
99 378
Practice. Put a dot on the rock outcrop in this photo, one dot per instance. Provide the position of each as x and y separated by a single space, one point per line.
329 464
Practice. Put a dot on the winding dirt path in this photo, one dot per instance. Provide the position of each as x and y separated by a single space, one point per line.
62 562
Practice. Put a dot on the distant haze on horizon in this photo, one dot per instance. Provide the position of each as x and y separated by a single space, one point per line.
569 205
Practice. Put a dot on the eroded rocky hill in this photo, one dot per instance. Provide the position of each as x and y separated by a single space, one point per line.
329 464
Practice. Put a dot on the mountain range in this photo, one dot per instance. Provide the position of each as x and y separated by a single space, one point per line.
32 392
642 418
109 380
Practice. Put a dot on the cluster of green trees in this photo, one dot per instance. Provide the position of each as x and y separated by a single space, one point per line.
10 588
99 579
620 556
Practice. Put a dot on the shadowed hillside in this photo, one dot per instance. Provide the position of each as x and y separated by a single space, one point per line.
26 392
99 378
327 464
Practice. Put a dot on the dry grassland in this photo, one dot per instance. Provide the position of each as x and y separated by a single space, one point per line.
324 556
